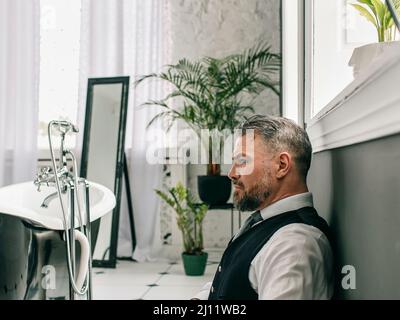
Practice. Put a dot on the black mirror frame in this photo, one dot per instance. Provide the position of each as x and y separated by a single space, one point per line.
111 262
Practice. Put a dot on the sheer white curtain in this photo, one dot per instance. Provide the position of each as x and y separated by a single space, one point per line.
129 37
19 89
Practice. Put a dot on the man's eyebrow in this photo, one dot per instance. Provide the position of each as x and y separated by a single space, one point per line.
241 155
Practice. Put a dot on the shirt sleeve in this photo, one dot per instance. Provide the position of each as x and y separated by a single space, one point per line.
296 263
204 292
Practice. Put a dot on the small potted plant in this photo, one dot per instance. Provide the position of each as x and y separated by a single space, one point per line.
190 218
376 12
215 95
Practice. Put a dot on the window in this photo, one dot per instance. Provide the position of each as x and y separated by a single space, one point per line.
334 30
59 64
340 109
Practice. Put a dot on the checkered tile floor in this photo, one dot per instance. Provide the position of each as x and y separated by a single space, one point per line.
162 280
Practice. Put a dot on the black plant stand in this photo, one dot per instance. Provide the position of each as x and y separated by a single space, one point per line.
225 206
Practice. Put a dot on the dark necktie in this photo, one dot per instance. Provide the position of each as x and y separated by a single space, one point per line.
250 221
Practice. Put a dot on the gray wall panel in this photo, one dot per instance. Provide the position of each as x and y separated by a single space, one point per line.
357 189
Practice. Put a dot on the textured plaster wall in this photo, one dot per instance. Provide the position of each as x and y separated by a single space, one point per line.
218 28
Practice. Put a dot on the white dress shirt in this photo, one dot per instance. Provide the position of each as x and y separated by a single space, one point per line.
295 263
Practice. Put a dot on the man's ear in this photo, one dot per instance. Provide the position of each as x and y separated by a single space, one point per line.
284 165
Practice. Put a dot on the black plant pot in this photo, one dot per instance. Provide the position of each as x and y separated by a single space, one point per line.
214 190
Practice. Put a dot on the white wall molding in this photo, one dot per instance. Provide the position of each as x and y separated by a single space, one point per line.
368 109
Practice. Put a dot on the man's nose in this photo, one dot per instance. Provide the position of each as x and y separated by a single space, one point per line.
233 175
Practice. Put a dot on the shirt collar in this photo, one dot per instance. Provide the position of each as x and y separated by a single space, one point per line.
291 203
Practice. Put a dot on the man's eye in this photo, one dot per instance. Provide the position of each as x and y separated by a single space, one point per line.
242 161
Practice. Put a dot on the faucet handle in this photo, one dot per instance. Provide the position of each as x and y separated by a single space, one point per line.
37 182
42 176
43 173
45 170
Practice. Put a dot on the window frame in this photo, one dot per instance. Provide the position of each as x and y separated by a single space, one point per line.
364 110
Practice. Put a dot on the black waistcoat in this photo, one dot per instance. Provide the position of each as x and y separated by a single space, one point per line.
231 281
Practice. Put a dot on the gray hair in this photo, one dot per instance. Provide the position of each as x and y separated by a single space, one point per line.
282 134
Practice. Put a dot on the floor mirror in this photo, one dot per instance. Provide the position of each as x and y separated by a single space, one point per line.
103 156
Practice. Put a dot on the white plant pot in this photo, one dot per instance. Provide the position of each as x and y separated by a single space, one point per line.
364 56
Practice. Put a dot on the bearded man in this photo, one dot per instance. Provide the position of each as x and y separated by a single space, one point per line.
282 251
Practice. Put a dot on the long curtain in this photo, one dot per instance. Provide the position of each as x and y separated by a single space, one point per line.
129 37
19 89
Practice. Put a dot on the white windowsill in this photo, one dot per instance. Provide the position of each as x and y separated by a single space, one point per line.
367 109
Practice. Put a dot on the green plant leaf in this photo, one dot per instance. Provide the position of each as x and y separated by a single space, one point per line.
365 13
368 2
397 5
189 216
371 7
379 11
387 20
207 93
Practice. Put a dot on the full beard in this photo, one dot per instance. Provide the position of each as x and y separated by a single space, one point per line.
252 198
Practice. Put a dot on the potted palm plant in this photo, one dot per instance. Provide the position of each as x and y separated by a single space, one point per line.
190 222
213 94
378 13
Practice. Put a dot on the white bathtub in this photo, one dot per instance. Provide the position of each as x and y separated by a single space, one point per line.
24 201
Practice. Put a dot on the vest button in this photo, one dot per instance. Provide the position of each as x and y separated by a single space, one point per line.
212 289
219 269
